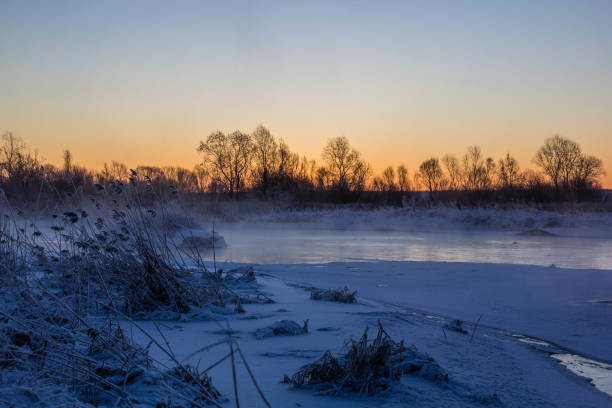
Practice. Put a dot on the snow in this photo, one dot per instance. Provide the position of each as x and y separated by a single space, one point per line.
543 302
492 369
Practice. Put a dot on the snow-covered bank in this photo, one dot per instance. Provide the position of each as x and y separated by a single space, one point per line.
491 369
546 302
523 314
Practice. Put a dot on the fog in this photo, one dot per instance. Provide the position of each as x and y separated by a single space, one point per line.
266 243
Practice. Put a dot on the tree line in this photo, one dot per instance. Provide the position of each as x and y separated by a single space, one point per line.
261 163
566 173
242 164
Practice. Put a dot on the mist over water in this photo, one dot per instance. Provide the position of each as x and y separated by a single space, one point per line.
277 243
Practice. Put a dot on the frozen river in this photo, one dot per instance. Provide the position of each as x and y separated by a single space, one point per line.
275 243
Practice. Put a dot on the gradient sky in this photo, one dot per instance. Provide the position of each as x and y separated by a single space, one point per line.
143 82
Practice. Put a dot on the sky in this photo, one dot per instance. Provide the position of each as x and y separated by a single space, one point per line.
142 82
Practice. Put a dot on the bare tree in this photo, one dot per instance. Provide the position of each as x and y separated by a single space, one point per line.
203 178
453 171
431 176
116 171
473 165
558 158
344 165
12 152
287 166
265 149
402 178
587 171
378 184
229 157
389 179
322 179
18 166
360 176
532 179
509 172
477 171
304 176
181 178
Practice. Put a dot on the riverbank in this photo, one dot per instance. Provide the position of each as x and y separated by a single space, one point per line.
486 365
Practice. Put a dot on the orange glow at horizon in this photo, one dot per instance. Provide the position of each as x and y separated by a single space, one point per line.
170 147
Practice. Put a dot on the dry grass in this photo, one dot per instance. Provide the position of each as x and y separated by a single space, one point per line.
120 251
65 287
367 368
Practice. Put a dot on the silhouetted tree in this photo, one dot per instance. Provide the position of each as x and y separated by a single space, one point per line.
265 149
402 178
509 172
586 172
430 175
116 171
453 171
558 158
378 184
180 178
347 171
229 157
202 176
287 166
20 169
477 171
389 179
322 179
532 179
12 152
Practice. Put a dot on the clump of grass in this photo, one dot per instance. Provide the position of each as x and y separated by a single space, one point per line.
367 368
343 295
